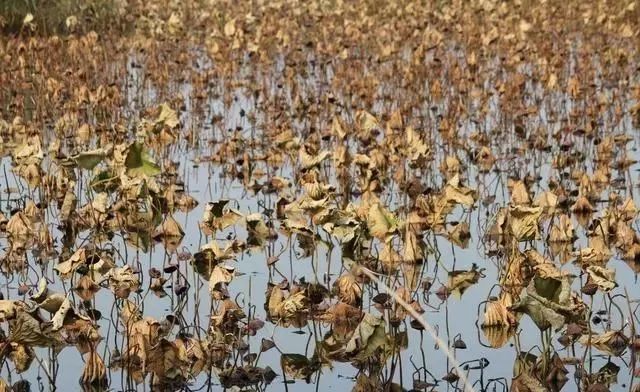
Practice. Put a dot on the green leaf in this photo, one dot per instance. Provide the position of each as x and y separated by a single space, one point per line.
141 240
369 336
89 159
297 366
550 302
139 163
104 181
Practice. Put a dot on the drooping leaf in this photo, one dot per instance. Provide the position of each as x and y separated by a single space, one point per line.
523 222
455 193
459 281
167 117
604 278
169 228
368 337
22 356
297 366
349 290
139 163
550 302
611 342
381 222
89 159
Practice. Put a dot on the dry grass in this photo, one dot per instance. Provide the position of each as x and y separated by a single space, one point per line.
60 16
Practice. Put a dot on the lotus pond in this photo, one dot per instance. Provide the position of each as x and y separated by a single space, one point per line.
322 195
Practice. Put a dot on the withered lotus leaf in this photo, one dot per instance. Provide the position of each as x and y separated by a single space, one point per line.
221 274
550 302
460 280
381 222
242 377
349 290
523 222
611 342
27 330
67 267
166 361
563 230
414 249
297 366
8 309
455 193
22 356
368 337
519 193
366 121
169 228
604 278
122 280
285 307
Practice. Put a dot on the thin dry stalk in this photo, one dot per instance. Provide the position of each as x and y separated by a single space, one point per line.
442 345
